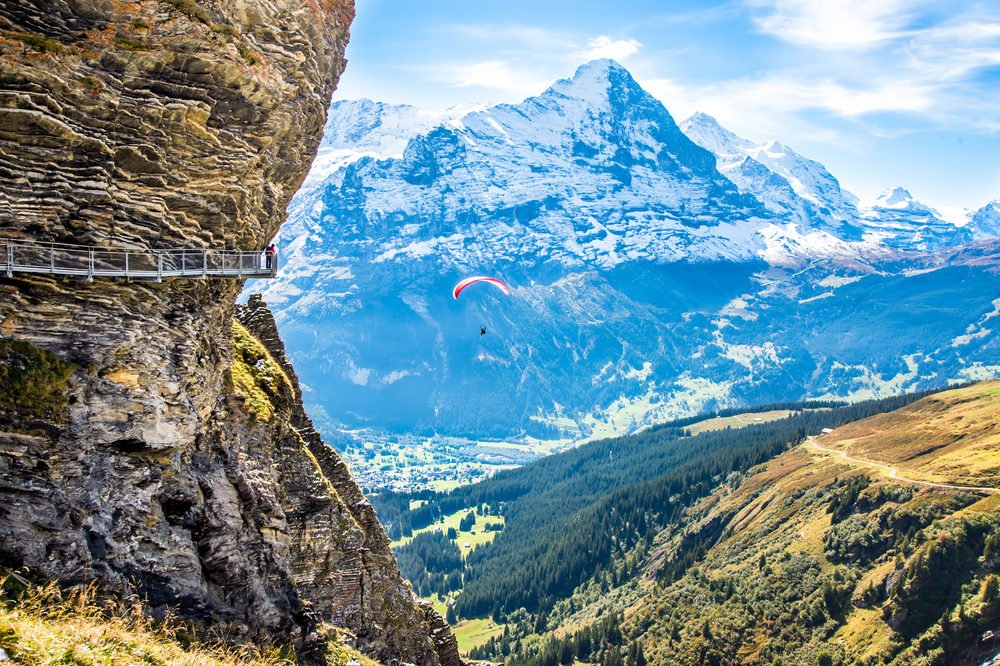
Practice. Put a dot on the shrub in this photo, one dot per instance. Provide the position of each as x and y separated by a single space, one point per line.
33 381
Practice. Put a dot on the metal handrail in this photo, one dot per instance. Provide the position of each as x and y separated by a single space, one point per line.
28 256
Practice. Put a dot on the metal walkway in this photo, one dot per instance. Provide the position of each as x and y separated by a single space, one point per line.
25 256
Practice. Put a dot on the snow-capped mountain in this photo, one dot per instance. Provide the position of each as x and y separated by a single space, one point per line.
896 219
789 184
363 128
595 168
646 283
985 222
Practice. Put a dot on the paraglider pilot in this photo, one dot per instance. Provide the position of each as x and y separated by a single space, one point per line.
460 287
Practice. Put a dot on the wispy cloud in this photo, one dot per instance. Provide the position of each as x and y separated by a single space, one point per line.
500 75
780 96
835 24
957 49
607 47
528 58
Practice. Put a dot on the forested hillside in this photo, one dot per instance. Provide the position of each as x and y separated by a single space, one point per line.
592 521
825 554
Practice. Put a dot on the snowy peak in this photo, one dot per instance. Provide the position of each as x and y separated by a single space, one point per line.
985 222
894 197
603 93
896 219
706 131
899 199
363 128
595 81
801 190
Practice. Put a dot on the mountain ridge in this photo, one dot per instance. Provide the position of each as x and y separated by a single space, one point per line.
586 204
150 445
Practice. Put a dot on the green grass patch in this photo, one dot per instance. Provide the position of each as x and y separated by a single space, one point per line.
444 485
473 633
39 43
132 44
256 375
738 420
466 540
34 382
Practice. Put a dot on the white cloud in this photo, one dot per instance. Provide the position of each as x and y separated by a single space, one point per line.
783 95
606 47
531 58
955 50
501 75
835 24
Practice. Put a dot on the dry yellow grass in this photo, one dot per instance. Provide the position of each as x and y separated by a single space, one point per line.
44 625
949 437
865 633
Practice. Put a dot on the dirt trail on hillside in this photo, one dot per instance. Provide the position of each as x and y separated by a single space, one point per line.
892 472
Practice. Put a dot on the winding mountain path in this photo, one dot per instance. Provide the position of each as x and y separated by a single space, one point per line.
893 472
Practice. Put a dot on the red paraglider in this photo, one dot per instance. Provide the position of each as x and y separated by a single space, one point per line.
499 284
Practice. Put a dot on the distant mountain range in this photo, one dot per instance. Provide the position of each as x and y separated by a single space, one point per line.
657 270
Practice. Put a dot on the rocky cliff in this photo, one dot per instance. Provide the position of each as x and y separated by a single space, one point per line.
135 449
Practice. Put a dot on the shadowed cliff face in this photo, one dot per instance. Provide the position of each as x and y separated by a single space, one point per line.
166 125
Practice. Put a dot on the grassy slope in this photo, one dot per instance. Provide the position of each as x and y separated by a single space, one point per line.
779 534
469 633
467 541
738 420
473 633
945 438
41 625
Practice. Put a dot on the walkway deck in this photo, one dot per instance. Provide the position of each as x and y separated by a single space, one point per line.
24 256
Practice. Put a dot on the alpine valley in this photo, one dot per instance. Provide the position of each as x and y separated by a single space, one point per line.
657 271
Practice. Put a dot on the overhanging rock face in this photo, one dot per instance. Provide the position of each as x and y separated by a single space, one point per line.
156 125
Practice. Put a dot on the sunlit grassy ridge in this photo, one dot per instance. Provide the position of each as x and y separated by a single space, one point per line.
255 375
822 560
945 438
45 625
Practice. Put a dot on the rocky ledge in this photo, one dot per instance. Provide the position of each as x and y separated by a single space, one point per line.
148 440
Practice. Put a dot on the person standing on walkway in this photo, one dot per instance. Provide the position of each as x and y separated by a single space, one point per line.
271 254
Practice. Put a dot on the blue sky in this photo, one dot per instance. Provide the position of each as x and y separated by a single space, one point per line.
883 92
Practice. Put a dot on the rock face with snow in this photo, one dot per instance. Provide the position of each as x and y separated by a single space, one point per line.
150 465
985 222
898 220
654 273
793 186
363 128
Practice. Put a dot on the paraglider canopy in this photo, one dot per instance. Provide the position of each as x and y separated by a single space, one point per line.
499 284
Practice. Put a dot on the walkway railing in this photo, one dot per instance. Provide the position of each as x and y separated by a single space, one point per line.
25 256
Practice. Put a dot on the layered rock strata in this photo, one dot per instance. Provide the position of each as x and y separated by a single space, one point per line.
163 125
339 552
